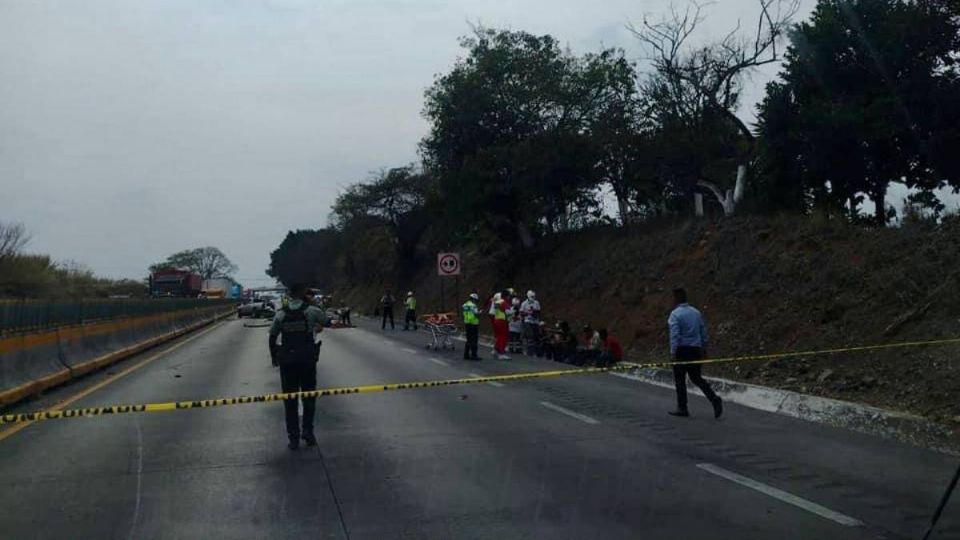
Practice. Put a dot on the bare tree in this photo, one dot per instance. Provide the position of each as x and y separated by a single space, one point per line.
707 79
211 263
13 237
208 261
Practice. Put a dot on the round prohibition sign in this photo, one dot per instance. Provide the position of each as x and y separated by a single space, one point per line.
449 264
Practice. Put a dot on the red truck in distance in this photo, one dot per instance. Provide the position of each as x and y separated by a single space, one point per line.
172 282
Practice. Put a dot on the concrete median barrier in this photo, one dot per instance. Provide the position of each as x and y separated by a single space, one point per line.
97 341
32 363
135 333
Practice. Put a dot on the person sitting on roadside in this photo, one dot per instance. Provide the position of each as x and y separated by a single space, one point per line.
588 349
564 343
568 343
612 352
551 340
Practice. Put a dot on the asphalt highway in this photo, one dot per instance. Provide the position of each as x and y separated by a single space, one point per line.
592 456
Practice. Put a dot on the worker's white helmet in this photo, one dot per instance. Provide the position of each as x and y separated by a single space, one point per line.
409 293
474 296
531 295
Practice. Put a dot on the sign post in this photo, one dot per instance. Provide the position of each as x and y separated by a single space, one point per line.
448 264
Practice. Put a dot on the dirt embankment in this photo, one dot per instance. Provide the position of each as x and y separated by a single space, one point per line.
765 285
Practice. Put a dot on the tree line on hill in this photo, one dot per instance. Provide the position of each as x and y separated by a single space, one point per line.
528 139
24 275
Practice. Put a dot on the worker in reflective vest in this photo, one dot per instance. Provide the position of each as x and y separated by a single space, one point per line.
410 318
471 325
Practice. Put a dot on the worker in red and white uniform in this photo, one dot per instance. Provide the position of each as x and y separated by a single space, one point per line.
501 327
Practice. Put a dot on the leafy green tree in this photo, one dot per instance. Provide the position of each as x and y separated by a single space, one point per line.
398 199
37 276
781 183
27 276
943 109
306 257
619 131
510 141
864 100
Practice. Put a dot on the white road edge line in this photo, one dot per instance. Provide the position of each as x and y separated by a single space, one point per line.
779 494
438 361
571 414
408 350
491 383
136 508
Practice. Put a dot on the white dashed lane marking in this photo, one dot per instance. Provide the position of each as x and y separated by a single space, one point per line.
781 495
571 414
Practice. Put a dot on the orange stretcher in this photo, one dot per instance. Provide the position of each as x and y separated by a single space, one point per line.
443 329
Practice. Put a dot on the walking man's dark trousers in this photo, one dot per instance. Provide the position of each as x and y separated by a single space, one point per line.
694 371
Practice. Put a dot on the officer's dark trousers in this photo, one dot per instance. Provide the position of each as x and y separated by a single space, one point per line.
473 336
410 320
296 377
694 371
387 312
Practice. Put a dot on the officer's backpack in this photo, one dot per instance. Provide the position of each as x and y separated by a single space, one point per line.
296 337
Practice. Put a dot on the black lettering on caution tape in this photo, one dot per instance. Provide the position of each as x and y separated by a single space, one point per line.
119 409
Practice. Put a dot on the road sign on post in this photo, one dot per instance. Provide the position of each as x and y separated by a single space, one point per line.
448 264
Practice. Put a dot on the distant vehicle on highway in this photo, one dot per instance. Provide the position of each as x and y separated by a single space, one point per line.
227 286
214 293
171 282
256 308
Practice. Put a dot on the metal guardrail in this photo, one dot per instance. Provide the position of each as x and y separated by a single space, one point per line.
21 316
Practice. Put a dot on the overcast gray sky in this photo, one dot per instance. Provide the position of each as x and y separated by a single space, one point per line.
133 129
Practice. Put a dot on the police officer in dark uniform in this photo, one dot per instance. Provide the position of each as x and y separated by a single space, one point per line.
296 326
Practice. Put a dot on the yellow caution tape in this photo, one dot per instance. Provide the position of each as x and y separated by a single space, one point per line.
377 388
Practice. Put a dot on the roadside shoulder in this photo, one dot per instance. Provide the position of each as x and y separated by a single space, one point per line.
885 423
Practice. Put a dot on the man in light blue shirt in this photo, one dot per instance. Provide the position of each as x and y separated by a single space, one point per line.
688 342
